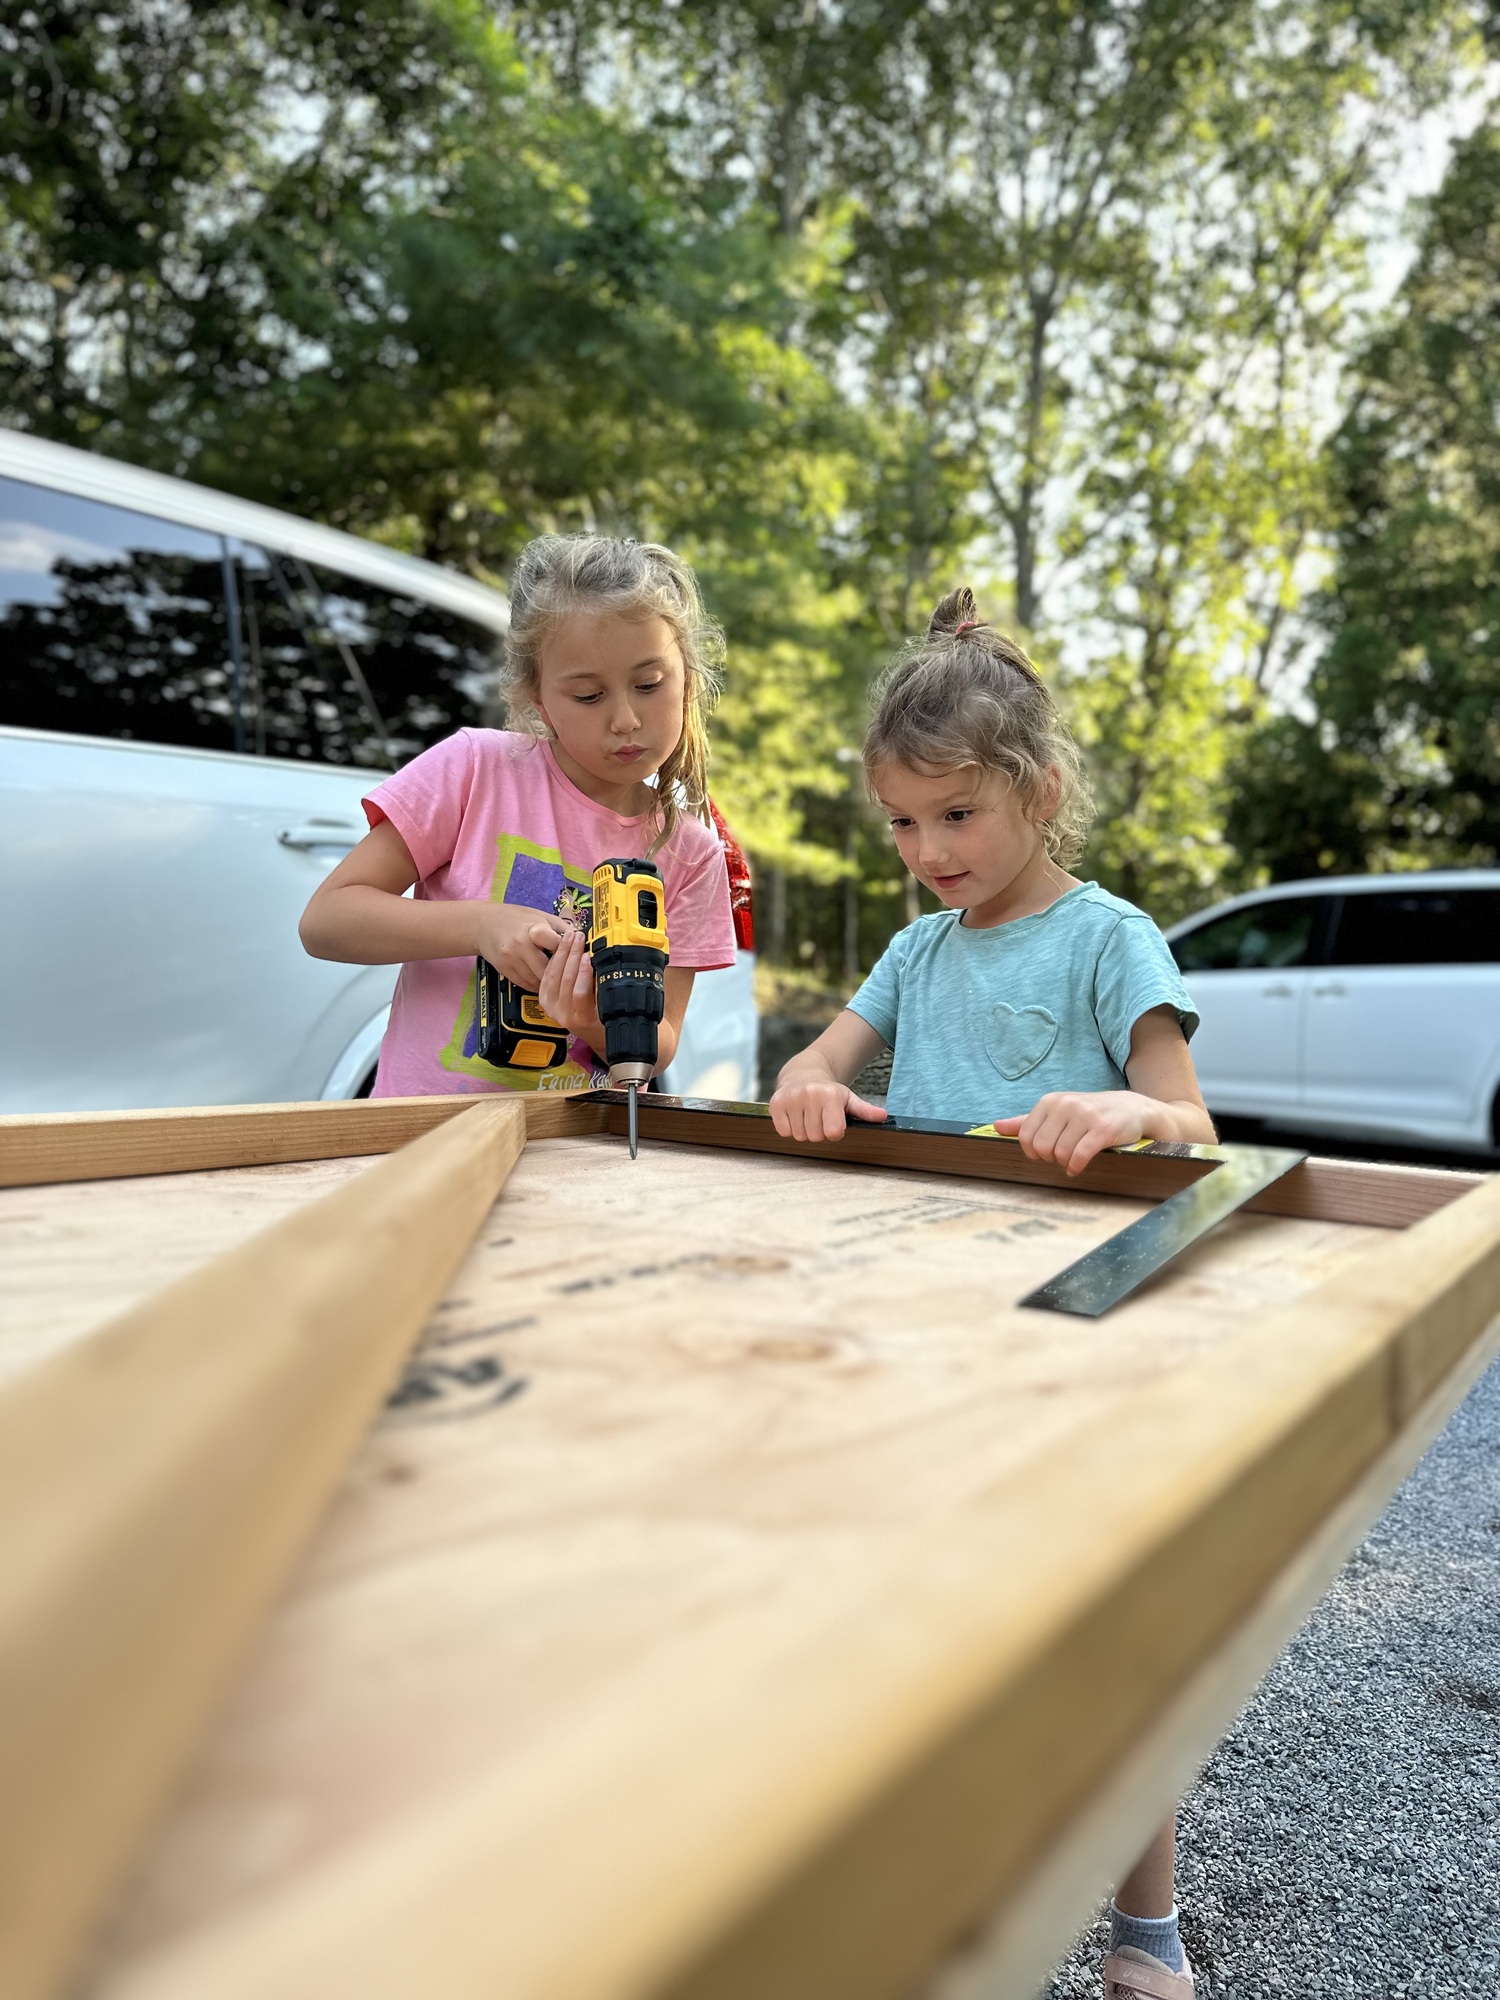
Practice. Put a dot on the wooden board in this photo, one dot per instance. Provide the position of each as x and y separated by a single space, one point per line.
733 1600
1320 1190
156 1480
93 1146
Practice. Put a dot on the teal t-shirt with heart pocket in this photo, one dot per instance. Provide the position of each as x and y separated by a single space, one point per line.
984 1022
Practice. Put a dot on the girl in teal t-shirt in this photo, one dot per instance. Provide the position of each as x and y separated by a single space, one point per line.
1031 998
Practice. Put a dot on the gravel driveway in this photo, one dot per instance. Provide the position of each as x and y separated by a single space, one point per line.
1345 1839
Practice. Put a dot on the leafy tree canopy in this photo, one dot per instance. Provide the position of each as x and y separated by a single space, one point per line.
850 302
1398 764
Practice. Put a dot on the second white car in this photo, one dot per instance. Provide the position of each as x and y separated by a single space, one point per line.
1361 1005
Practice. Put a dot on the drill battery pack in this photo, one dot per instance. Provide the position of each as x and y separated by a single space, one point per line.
515 1031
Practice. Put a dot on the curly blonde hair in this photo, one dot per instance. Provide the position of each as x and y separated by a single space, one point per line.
966 694
563 576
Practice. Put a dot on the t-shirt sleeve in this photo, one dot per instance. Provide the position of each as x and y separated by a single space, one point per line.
878 1001
426 799
1136 972
700 923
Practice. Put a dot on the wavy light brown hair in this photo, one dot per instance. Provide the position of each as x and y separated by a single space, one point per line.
567 576
966 694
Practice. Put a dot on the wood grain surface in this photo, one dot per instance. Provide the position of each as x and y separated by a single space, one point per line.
103 1145
1319 1190
75 1254
741 1592
157 1477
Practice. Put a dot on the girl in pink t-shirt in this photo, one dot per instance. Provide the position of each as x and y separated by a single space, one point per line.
611 667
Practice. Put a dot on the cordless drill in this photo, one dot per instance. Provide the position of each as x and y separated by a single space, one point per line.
628 944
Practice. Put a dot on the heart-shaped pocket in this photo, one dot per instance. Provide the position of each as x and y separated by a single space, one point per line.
1018 1038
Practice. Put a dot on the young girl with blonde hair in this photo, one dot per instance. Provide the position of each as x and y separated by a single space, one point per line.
611 668
1032 998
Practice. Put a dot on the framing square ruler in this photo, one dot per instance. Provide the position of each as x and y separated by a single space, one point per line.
1116 1268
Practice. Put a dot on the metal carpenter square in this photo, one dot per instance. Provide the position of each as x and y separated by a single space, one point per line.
1114 1269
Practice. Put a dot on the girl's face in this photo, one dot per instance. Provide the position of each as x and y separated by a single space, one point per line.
611 689
965 835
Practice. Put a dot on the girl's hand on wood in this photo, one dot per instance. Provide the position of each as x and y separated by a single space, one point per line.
815 1110
1072 1126
567 990
519 942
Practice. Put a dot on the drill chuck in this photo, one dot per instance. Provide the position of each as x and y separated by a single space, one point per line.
630 992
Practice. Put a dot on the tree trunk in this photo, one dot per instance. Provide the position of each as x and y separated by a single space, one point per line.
852 887
1023 520
776 915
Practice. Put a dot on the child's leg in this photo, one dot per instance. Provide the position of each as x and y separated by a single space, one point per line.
1143 1915
1149 1889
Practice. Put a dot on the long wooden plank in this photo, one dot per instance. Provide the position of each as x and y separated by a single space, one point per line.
110 1145
1364 1191
155 1483
1319 1190
1013 1955
97 1146
816 1803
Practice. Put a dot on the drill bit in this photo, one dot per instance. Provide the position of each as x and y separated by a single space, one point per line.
632 1116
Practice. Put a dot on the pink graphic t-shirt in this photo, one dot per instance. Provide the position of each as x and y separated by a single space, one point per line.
489 814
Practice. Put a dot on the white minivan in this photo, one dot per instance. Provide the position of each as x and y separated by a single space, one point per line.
1367 1006
194 693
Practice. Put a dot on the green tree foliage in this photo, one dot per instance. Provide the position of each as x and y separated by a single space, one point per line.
363 262
360 261
1399 763
1091 267
848 301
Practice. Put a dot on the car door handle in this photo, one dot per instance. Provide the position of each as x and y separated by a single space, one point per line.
1278 993
322 833
1334 992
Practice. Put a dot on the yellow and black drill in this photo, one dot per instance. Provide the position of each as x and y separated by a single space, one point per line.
628 945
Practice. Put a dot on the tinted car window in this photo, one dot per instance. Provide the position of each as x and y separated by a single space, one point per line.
112 623
349 672
430 671
300 698
1264 937
1419 927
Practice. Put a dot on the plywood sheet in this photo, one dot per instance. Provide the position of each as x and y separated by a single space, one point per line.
74 1254
656 1397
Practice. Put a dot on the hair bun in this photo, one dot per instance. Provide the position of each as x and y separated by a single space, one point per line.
956 609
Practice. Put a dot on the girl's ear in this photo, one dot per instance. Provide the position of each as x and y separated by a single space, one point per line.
532 696
1048 795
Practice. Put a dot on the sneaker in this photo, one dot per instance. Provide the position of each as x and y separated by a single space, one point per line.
1130 1974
